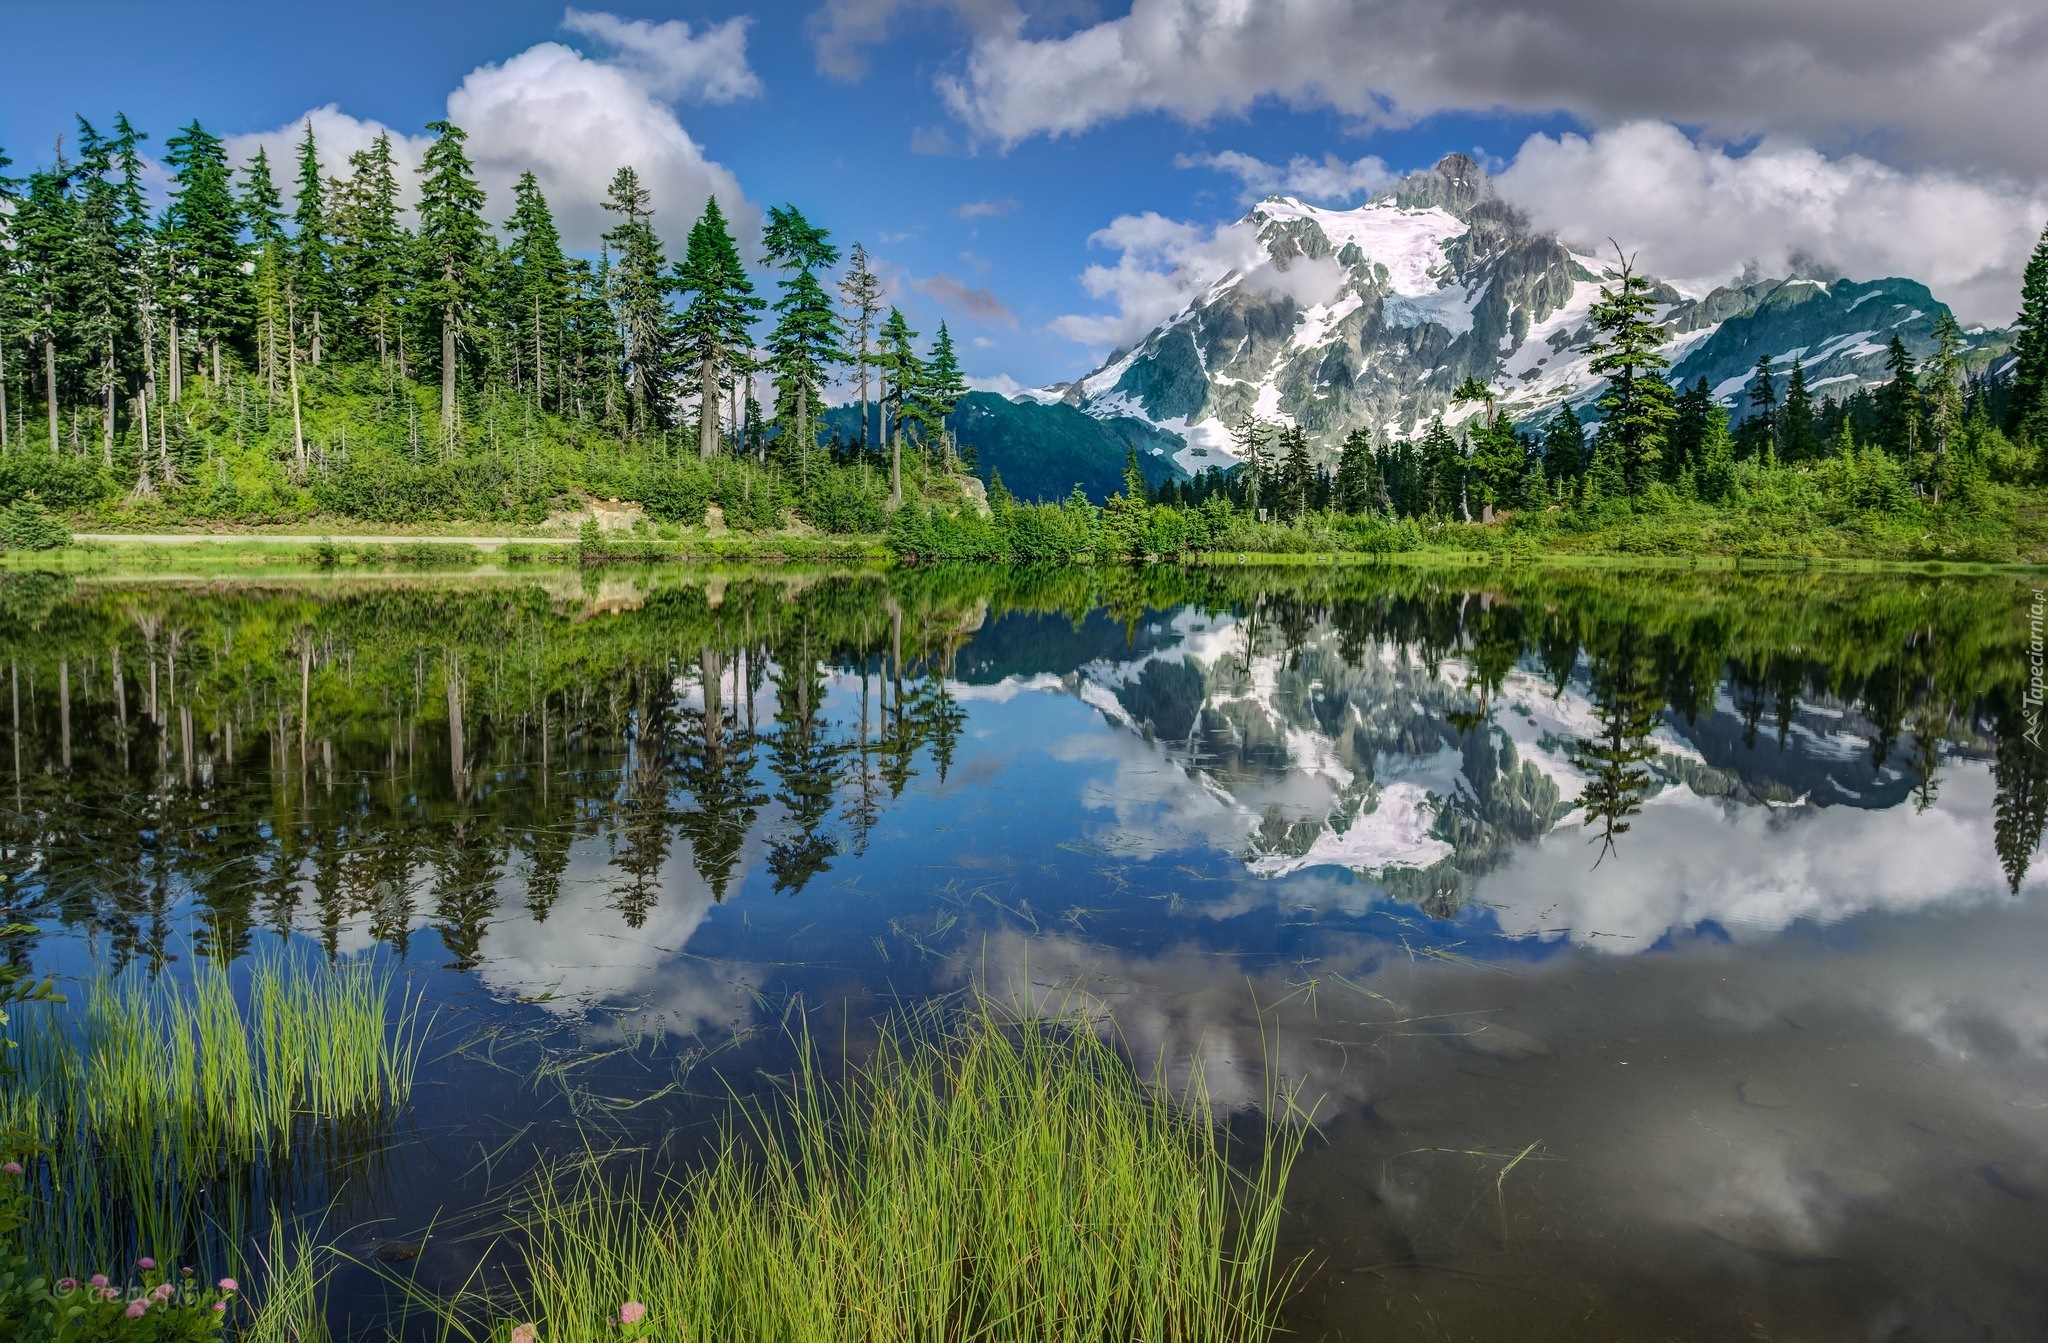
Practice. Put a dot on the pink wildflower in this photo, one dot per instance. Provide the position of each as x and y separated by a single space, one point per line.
220 1305
12 1168
145 1262
109 1294
98 1279
67 1284
137 1309
525 1333
162 1292
632 1313
228 1285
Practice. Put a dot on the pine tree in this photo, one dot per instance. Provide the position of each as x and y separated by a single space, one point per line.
1358 484
902 373
9 299
1248 441
540 282
638 285
1564 446
99 281
1942 392
1762 424
806 340
1443 470
1297 472
263 212
1637 406
861 291
370 247
1797 440
2028 417
205 224
1714 476
714 326
45 232
311 292
1688 430
454 248
941 388
1898 402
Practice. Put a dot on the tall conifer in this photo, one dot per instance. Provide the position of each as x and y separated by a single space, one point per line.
1637 404
454 245
714 326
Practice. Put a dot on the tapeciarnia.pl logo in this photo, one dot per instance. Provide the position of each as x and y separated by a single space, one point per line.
2037 668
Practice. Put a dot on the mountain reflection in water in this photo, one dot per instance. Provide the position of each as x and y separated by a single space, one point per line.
1663 947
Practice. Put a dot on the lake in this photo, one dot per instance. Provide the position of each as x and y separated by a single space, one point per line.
1662 953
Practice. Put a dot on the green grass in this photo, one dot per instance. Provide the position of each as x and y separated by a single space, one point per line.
165 1112
979 1179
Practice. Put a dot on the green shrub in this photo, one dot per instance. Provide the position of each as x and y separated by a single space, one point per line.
26 525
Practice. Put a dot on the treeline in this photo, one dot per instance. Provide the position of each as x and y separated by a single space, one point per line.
241 354
1912 468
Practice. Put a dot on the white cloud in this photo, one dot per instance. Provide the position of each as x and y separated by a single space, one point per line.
1698 214
669 61
1002 384
573 120
974 300
1161 264
1329 179
1965 81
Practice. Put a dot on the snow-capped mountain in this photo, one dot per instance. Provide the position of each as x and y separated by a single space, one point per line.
1370 317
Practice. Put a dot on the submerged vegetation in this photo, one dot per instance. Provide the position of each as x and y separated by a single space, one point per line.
978 1179
159 1120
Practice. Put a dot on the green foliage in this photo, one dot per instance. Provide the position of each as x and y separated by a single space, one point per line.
980 1179
26 525
1637 407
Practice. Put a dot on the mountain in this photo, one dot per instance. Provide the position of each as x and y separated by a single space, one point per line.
1044 448
1370 317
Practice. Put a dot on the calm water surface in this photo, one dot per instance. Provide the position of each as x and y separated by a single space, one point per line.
1662 952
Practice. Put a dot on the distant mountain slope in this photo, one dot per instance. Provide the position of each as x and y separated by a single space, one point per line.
1370 318
1045 449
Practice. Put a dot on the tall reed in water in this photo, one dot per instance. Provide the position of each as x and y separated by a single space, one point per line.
984 1180
163 1106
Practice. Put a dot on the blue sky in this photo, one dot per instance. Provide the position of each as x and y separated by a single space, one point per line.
976 146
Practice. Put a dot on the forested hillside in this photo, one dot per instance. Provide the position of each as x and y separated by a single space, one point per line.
255 354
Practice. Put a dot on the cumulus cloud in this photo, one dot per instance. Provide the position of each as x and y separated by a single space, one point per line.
574 120
1699 215
1965 82
1161 264
973 300
1328 179
670 61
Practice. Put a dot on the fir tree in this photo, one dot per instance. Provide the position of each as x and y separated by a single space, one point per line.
805 342
1797 441
44 229
1248 440
99 278
1942 393
2028 416
1688 430
205 223
638 286
311 291
9 310
902 372
1899 403
1637 406
1763 409
263 211
1358 484
941 389
454 247
861 291
370 246
1297 472
540 281
1443 469
713 333
1714 476
1564 446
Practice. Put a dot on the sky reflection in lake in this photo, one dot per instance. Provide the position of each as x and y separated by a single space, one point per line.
1662 951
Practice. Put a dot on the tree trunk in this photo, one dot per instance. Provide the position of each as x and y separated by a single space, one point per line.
177 364
707 410
3 397
107 429
50 386
863 397
216 362
316 338
447 373
298 424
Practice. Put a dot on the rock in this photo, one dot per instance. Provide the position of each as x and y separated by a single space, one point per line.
396 1251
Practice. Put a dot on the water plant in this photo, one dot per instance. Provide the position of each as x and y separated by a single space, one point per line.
158 1109
979 1178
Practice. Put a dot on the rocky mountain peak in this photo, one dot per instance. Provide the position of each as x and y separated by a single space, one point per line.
1456 185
